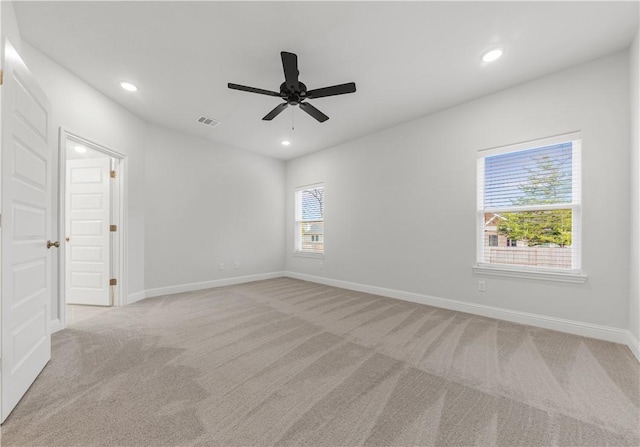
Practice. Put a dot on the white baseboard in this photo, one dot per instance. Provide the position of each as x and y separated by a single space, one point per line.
161 291
135 297
634 345
611 334
55 326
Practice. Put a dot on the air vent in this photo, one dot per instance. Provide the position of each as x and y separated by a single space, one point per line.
208 121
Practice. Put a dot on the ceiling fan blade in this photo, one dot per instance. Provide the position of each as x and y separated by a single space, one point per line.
317 114
334 90
244 88
275 112
290 67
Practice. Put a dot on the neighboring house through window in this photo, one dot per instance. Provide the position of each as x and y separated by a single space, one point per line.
529 205
309 211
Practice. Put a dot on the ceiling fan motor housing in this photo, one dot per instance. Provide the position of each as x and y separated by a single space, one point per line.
293 97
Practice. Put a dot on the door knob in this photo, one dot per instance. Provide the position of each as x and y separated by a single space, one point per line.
53 244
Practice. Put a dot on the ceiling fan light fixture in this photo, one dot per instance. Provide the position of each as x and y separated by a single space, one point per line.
128 86
492 55
286 142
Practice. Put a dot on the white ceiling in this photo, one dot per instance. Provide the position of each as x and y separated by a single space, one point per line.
408 59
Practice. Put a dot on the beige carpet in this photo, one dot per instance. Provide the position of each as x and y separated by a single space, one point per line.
287 362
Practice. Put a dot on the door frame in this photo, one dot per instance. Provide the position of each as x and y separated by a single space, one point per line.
119 218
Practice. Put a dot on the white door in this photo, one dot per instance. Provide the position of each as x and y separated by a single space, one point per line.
26 226
88 217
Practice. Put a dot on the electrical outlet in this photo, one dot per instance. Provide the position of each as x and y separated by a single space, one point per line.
236 265
221 266
482 286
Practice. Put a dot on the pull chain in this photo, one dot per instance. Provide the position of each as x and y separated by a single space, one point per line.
292 122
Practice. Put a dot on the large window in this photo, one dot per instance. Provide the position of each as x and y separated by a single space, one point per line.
529 206
310 219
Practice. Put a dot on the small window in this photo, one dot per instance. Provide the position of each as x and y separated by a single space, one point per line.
309 236
529 199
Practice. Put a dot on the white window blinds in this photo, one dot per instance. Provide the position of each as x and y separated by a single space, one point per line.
309 224
529 205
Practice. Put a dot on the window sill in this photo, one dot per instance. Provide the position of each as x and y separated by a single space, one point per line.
575 278
308 254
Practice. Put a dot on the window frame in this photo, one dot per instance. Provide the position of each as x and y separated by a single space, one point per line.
575 273
298 221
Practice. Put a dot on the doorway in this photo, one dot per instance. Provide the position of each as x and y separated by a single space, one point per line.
92 218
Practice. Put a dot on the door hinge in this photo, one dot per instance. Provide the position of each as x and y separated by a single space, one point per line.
113 174
1 77
113 228
113 282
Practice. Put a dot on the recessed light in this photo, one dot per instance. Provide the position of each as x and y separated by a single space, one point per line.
286 142
80 149
128 86
492 55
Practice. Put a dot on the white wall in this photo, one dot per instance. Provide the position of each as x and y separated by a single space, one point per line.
81 109
634 264
208 205
401 204
191 204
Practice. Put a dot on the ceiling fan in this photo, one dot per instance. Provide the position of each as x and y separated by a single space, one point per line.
295 92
